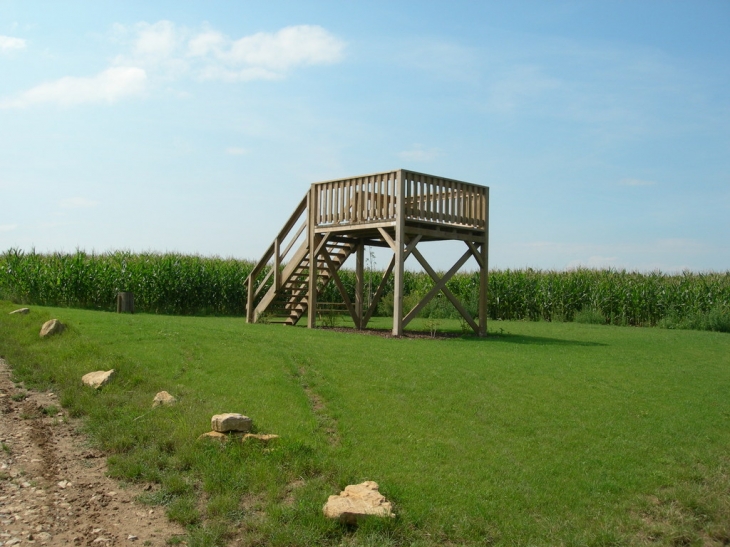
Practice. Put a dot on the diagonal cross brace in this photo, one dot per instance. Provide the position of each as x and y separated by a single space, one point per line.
340 286
441 286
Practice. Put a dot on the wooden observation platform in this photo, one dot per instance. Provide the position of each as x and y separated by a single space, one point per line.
395 209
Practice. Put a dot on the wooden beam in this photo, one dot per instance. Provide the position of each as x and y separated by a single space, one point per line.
389 240
484 272
359 284
340 286
249 300
476 253
324 238
379 292
444 234
312 281
409 248
399 258
446 291
440 284
277 264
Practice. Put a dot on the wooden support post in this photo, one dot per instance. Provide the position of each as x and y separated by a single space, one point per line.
249 300
277 264
484 271
399 256
359 284
312 236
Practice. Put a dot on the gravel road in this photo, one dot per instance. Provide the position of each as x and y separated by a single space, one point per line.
53 486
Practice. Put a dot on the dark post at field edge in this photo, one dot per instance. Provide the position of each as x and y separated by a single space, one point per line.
125 302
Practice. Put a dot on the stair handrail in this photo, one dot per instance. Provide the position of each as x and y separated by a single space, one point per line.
274 251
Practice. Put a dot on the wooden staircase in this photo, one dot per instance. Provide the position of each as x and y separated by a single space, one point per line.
289 303
278 286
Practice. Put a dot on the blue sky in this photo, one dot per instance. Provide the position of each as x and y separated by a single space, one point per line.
601 128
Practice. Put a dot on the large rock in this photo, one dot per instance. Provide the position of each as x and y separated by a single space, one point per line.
21 311
223 423
163 398
356 502
54 326
97 378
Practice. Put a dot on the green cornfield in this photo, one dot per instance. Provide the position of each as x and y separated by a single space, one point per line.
162 283
194 285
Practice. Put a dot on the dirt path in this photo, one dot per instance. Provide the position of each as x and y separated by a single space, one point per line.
53 487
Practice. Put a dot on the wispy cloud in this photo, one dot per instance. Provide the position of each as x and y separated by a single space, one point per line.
9 43
8 227
211 55
108 86
165 51
78 203
237 151
418 153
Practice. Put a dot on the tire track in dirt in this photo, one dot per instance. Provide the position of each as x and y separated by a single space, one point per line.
54 489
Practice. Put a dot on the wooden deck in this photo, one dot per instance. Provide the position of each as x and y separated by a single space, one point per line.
396 209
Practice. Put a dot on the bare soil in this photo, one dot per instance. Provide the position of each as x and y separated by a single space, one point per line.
54 489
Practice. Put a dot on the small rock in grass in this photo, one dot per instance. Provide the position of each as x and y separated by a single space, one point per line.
97 378
163 398
214 435
263 438
21 311
54 326
224 423
356 502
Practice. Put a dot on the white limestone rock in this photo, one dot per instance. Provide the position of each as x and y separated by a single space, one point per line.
223 423
97 378
163 398
263 438
20 311
49 328
356 502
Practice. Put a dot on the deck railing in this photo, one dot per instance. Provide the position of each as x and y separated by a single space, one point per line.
374 198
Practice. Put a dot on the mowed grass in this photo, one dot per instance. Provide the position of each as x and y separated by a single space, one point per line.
541 434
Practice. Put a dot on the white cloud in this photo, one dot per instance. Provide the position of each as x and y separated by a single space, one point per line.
237 151
8 44
418 153
8 227
108 86
166 51
242 75
78 203
156 47
636 182
291 46
210 55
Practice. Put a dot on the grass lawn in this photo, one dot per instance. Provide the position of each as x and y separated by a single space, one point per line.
541 434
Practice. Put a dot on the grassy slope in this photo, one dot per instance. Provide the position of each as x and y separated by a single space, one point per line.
547 433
